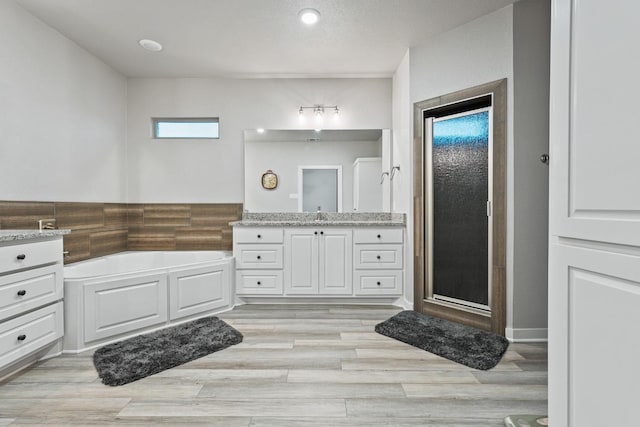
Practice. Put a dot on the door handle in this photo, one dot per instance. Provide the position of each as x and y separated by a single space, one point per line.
544 158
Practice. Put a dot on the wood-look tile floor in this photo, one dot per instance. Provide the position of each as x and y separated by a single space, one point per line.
299 365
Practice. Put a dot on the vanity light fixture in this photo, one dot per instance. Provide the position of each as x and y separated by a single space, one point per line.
309 16
318 109
151 45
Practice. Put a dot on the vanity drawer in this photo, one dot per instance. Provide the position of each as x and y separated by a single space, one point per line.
378 235
29 289
378 256
259 282
258 256
25 334
258 235
378 282
27 255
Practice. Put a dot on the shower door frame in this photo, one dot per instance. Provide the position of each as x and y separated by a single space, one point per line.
493 319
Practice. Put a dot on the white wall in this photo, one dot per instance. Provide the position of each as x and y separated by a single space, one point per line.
402 184
212 171
285 157
478 52
531 38
62 116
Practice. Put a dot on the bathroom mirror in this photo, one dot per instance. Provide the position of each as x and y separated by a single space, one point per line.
288 152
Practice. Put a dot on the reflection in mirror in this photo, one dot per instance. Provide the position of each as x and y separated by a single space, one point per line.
286 151
321 188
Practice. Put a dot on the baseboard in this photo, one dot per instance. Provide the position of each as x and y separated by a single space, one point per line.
526 334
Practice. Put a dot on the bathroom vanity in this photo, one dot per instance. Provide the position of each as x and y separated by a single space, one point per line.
298 255
31 294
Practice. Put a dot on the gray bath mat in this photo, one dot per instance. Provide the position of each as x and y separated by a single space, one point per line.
463 344
138 357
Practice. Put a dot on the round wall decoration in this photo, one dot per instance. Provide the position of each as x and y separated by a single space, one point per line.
269 180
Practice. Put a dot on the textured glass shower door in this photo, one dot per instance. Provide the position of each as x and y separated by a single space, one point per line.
459 230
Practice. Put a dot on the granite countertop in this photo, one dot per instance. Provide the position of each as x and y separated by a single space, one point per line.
294 219
12 235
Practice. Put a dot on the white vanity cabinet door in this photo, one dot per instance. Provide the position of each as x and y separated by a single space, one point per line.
335 266
301 261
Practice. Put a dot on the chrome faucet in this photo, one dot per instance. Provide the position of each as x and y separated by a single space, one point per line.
319 214
47 224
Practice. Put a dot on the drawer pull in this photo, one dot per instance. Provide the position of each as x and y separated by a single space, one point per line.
258 257
378 256
21 257
379 236
259 236
315 232
378 283
22 292
259 283
22 337
322 232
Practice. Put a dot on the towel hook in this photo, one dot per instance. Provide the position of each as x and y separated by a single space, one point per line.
393 172
382 176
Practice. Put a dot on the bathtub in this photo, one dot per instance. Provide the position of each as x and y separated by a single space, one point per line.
113 297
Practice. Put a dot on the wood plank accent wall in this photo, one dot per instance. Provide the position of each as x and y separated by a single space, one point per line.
182 227
99 229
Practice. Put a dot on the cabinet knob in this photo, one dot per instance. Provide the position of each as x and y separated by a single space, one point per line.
21 257
22 337
322 232
258 257
259 283
378 256
315 232
379 236
378 283
22 292
259 236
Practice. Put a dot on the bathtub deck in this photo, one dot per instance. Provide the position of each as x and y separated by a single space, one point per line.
298 366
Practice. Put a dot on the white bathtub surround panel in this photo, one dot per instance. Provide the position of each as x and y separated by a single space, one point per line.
195 290
117 296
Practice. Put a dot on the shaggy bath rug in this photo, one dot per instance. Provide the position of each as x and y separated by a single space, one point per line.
135 358
463 344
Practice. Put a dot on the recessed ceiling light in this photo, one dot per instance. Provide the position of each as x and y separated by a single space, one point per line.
309 16
151 45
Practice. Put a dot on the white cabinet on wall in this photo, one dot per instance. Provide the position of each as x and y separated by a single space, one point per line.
367 188
318 261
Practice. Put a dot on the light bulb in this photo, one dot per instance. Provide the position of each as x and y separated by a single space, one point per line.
309 16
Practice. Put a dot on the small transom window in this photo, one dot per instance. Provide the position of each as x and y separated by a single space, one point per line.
185 128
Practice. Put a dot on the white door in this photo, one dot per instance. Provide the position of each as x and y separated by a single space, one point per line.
594 248
301 261
336 260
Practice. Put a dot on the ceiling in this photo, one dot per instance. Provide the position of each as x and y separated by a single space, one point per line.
255 38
